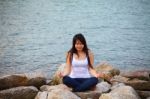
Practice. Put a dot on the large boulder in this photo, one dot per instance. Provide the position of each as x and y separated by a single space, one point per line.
122 92
28 79
19 93
60 91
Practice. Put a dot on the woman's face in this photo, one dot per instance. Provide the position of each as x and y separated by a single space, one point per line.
79 45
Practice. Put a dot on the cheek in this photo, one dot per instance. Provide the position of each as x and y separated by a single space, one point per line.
76 46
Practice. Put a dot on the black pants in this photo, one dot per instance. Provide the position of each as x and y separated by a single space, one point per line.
80 84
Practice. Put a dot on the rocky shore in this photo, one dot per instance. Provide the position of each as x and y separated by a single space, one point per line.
117 85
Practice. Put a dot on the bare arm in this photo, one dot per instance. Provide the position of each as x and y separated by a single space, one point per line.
67 68
92 70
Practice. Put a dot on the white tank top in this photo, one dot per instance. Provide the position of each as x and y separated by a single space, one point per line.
79 69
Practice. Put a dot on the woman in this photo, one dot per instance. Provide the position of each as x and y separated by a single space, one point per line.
79 73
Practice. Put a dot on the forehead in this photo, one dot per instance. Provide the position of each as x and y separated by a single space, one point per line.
78 41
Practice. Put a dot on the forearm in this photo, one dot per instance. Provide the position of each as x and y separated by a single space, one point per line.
93 72
66 71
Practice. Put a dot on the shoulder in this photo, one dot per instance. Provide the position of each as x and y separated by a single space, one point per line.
68 54
91 54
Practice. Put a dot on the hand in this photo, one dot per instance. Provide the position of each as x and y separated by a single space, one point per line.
60 74
100 75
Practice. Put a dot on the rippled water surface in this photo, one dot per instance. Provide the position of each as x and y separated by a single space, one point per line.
36 34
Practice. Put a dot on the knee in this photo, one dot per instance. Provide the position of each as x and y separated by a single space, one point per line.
65 79
94 80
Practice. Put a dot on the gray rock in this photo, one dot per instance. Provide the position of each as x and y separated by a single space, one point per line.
42 95
62 94
19 93
122 92
103 87
60 91
55 87
89 94
117 85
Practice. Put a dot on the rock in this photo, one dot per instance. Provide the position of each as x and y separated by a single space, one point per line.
103 87
15 80
107 69
100 87
62 94
88 94
48 82
139 84
103 67
19 93
42 95
35 79
60 91
12 81
140 74
143 94
55 87
123 92
135 83
119 79
117 85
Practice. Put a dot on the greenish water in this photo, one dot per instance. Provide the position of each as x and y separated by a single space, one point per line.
36 34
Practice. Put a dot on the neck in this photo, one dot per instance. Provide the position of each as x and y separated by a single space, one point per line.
79 52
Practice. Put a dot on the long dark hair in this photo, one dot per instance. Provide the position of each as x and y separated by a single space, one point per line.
81 38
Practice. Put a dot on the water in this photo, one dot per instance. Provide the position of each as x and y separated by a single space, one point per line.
36 34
